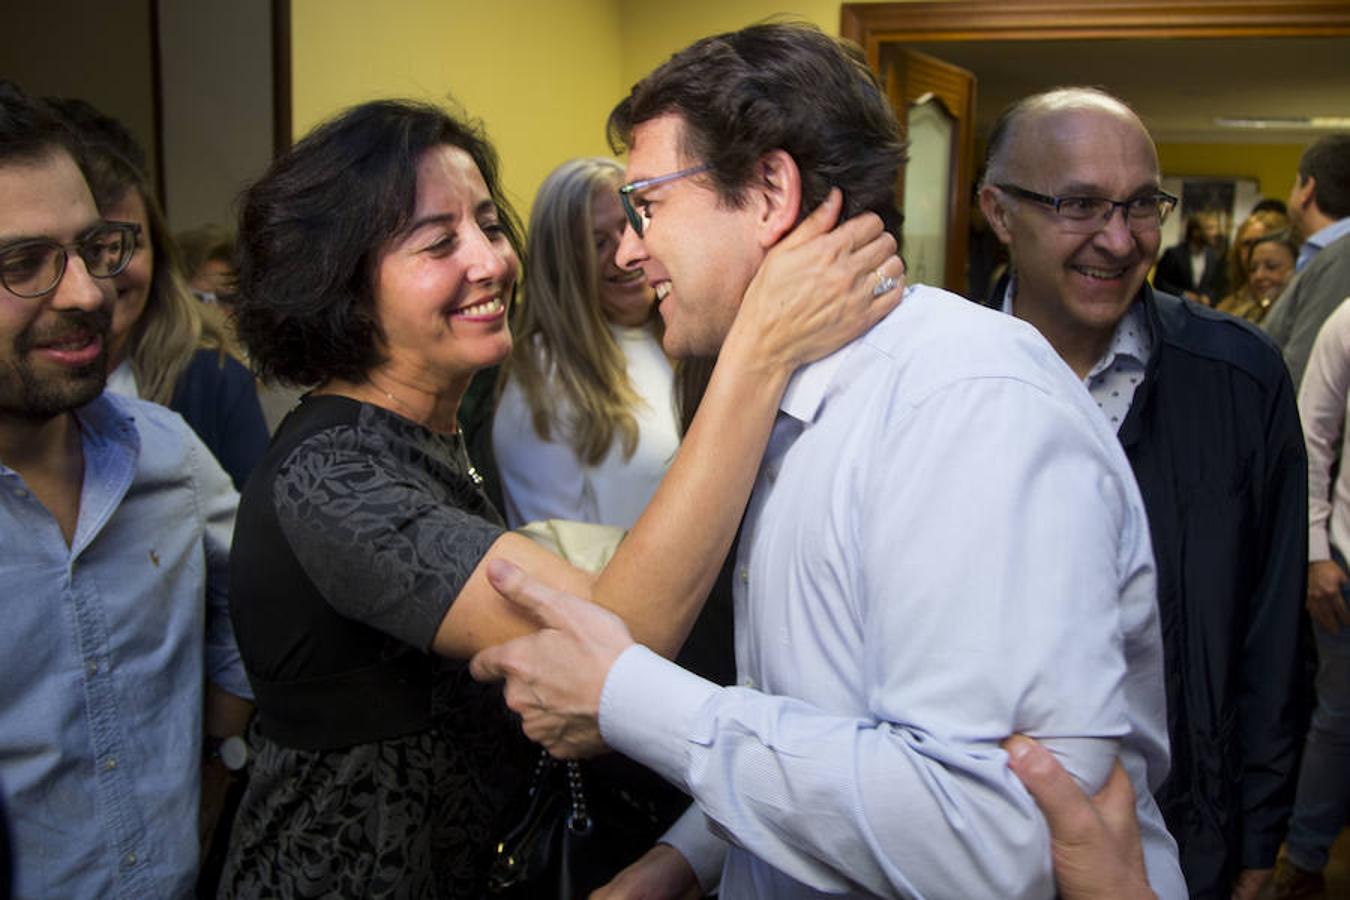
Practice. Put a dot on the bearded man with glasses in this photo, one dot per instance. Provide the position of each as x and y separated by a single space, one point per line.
1205 410
116 524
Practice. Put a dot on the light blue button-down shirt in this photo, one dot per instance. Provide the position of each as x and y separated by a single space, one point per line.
104 648
945 545
1319 239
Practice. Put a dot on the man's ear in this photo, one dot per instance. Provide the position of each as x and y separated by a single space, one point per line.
996 211
1305 192
777 191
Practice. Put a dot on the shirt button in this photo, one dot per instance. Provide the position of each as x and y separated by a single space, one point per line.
110 763
745 574
129 860
92 666
748 682
771 474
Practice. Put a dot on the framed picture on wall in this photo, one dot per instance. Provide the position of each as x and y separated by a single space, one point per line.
1231 198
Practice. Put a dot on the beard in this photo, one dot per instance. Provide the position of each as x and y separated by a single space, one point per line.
29 394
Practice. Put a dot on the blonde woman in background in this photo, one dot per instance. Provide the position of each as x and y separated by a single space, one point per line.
586 422
1242 301
164 344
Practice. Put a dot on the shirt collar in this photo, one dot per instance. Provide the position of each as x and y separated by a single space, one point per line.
1321 238
1132 339
809 385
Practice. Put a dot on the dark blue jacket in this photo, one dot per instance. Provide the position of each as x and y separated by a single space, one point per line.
218 398
1214 439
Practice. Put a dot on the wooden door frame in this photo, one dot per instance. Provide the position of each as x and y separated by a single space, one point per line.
958 100
872 24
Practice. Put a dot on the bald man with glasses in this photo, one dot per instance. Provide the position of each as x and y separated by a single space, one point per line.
1205 410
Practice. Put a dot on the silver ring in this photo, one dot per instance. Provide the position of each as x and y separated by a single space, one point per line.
885 284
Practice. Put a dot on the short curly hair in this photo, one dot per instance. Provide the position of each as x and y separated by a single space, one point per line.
312 231
778 86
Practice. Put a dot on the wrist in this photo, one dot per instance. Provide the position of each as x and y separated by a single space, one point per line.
753 355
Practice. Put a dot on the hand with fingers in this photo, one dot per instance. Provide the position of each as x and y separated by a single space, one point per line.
554 677
1095 842
821 286
1326 604
660 874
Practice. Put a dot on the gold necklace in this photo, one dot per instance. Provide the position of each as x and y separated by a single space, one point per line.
455 435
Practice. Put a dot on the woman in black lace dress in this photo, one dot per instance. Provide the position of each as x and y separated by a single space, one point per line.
377 260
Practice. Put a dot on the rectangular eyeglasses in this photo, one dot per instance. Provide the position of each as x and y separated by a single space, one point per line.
1088 215
638 218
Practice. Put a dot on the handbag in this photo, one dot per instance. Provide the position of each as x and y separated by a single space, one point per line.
542 855
576 832
574 836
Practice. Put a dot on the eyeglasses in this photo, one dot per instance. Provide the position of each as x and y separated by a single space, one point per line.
638 218
35 267
1088 215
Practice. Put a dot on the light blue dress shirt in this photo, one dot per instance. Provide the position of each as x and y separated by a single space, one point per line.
1319 239
104 650
945 545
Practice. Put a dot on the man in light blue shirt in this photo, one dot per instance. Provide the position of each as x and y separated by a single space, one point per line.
115 522
944 545
1319 208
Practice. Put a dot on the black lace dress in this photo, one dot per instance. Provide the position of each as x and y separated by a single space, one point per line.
378 770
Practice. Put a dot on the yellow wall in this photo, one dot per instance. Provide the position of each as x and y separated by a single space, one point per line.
1272 165
653 31
541 74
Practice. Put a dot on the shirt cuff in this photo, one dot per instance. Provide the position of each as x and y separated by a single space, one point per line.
647 710
704 851
1319 545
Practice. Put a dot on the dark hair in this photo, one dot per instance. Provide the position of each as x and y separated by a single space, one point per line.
1271 204
777 86
113 159
29 131
1195 223
313 228
1327 159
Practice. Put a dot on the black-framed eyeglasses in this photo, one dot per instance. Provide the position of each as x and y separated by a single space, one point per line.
1088 215
35 267
638 218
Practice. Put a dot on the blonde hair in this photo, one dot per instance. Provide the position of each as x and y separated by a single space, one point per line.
563 345
174 324
1238 262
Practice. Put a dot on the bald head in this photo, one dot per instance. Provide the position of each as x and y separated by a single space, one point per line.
1051 157
1020 120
